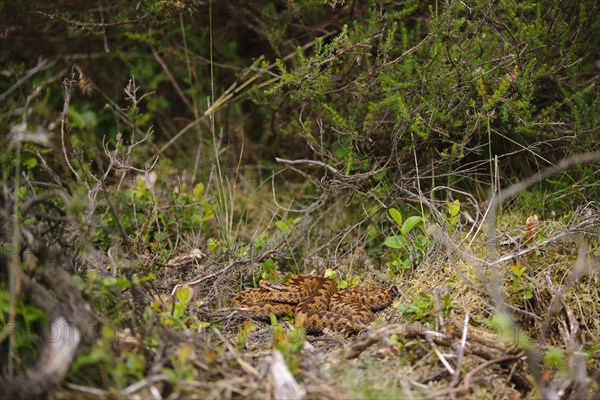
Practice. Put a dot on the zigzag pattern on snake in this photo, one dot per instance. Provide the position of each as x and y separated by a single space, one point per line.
316 303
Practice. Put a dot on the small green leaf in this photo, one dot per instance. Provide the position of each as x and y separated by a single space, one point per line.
260 242
395 242
178 310
330 274
212 244
281 225
198 191
502 325
554 357
30 163
134 363
90 119
528 291
170 374
454 208
95 355
269 269
396 216
139 190
32 314
122 283
109 281
410 223
184 294
343 284
77 120
79 282
209 212
514 268
196 220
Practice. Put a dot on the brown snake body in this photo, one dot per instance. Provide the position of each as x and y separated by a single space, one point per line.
316 303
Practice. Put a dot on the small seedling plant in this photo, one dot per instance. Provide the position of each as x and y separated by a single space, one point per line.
519 288
411 249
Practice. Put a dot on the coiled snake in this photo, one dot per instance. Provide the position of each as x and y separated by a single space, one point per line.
316 303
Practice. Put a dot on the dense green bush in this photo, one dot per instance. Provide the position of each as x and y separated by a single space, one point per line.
440 91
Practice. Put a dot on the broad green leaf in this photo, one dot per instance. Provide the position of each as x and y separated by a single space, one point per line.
396 216
395 242
410 223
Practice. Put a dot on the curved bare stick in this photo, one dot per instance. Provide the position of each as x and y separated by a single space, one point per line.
64 120
62 338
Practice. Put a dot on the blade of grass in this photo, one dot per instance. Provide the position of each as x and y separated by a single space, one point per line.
222 216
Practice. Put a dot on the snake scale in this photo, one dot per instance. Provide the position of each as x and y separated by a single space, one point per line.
316 303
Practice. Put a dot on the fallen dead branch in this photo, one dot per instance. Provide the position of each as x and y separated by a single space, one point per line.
480 346
494 351
340 175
